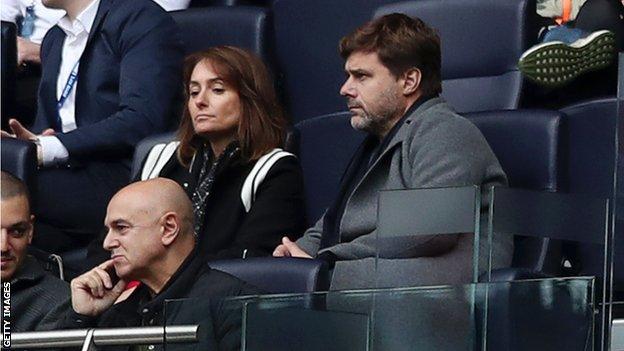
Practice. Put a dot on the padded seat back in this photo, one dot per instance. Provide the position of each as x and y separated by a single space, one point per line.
324 146
530 146
19 158
307 33
481 43
593 128
242 26
278 275
9 71
142 150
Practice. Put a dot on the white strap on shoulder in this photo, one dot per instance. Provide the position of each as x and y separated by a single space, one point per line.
157 158
257 175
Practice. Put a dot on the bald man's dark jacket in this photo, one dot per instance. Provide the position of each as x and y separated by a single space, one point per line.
194 295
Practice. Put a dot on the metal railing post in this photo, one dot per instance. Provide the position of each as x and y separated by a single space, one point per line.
90 338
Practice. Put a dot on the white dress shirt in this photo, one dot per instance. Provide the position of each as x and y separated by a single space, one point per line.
173 5
45 18
77 32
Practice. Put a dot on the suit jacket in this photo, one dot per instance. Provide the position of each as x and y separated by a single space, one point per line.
434 147
127 88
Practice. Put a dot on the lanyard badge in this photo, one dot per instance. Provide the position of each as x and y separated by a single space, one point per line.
69 85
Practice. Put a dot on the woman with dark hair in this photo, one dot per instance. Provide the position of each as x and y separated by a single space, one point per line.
246 192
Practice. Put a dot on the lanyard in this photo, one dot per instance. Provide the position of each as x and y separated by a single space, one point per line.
69 85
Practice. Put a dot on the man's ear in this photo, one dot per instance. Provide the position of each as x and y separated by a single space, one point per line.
170 228
411 81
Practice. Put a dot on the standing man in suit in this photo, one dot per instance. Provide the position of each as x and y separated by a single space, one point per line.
111 71
415 140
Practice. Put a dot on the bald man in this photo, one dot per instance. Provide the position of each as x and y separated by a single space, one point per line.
150 239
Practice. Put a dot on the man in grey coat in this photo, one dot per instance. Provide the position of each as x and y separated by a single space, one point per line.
34 299
415 140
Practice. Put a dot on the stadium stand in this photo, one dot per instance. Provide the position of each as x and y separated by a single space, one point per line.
572 150
201 28
306 43
479 50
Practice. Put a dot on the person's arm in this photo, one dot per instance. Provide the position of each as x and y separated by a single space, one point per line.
277 210
148 85
27 51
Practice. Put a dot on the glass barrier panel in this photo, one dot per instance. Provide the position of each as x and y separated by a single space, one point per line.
553 233
617 296
427 231
541 314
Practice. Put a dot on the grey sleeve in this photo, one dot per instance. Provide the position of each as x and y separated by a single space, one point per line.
311 239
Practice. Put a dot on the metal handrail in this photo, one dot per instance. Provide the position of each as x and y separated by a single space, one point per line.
106 337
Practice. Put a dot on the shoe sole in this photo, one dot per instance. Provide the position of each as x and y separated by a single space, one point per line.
556 63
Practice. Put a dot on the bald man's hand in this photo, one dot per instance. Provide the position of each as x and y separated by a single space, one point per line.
94 292
289 249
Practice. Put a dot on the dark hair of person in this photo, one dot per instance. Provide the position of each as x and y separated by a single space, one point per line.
12 186
262 124
401 42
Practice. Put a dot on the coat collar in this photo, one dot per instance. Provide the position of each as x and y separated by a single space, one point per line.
403 131
29 271
102 10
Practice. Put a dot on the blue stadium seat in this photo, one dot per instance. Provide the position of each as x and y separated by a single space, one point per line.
481 43
9 71
242 26
306 44
20 159
530 145
278 275
592 127
324 145
143 148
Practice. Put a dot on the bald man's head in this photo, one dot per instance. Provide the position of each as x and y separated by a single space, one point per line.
150 229
157 196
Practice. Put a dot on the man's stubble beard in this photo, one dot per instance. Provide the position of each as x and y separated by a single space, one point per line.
377 120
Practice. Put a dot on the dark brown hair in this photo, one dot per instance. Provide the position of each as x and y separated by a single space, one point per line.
401 42
262 125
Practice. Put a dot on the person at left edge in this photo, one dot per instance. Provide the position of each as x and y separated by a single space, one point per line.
126 60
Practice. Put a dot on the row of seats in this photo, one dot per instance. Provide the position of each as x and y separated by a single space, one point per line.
298 39
479 50
538 149
478 70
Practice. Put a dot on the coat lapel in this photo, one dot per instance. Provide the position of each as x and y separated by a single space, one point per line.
103 8
52 68
395 142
